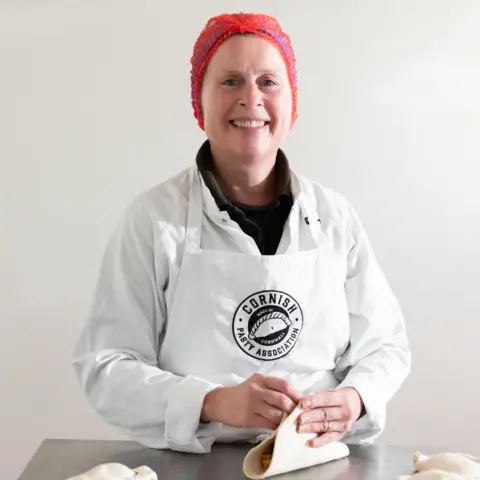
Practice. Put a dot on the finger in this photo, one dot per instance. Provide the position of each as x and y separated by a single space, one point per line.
283 386
324 439
323 427
270 413
278 400
322 414
329 398
268 419
258 421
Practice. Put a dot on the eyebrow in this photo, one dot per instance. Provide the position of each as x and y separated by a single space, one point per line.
264 71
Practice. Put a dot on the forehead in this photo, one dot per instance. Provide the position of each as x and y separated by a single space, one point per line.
247 52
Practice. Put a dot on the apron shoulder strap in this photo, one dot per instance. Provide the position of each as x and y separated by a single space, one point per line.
195 212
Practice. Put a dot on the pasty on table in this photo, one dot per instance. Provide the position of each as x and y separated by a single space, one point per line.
286 450
117 471
444 466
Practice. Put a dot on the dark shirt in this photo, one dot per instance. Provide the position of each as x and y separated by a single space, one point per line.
263 223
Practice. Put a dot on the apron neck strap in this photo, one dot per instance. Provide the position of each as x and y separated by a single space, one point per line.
303 211
195 212
310 217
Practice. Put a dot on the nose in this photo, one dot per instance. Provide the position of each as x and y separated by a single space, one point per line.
251 97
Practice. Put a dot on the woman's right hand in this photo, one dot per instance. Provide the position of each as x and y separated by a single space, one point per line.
258 402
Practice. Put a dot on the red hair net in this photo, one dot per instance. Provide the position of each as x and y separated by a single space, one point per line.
221 27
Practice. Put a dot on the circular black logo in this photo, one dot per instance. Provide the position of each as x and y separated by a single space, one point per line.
267 324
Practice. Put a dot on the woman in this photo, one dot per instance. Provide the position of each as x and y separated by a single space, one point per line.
237 289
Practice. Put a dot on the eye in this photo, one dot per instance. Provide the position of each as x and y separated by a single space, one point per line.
230 82
267 82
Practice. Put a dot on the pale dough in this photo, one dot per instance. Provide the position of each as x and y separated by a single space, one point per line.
445 466
289 451
117 471
433 475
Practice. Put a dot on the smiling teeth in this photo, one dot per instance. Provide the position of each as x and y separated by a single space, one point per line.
249 124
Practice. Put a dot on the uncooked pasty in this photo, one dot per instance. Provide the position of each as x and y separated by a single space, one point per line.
117 471
432 475
445 466
286 450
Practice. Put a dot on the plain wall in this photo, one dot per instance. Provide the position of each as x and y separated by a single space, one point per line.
95 107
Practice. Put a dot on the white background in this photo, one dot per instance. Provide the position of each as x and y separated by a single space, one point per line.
95 107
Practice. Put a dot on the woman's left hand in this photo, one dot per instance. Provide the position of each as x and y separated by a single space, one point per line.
330 414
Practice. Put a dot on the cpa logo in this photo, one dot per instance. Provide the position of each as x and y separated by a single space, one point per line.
267 324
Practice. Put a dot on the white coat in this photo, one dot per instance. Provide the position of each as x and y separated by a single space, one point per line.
178 279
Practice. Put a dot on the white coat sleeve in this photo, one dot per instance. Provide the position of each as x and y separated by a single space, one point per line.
378 359
115 357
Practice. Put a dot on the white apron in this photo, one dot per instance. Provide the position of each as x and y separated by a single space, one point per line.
235 314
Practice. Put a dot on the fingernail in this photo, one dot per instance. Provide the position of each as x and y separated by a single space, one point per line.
306 403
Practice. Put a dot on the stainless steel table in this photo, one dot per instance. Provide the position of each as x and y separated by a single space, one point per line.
60 459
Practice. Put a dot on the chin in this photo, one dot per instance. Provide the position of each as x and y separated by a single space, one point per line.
254 150
253 157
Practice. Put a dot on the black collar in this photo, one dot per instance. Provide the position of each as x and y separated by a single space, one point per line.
204 162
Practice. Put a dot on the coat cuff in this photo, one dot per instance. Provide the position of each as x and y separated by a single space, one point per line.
371 422
183 430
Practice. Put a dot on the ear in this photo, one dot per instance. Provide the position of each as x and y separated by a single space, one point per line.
293 122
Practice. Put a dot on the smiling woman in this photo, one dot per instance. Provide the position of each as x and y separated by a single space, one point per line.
247 113
244 95
232 291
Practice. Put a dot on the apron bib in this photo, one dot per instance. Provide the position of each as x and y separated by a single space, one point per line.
236 314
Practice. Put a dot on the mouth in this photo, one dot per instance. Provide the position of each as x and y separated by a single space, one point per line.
249 123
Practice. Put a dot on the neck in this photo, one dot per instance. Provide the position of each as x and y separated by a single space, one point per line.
253 185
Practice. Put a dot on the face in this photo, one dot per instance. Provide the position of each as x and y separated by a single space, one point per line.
246 99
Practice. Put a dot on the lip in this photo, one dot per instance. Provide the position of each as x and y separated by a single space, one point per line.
265 126
250 120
